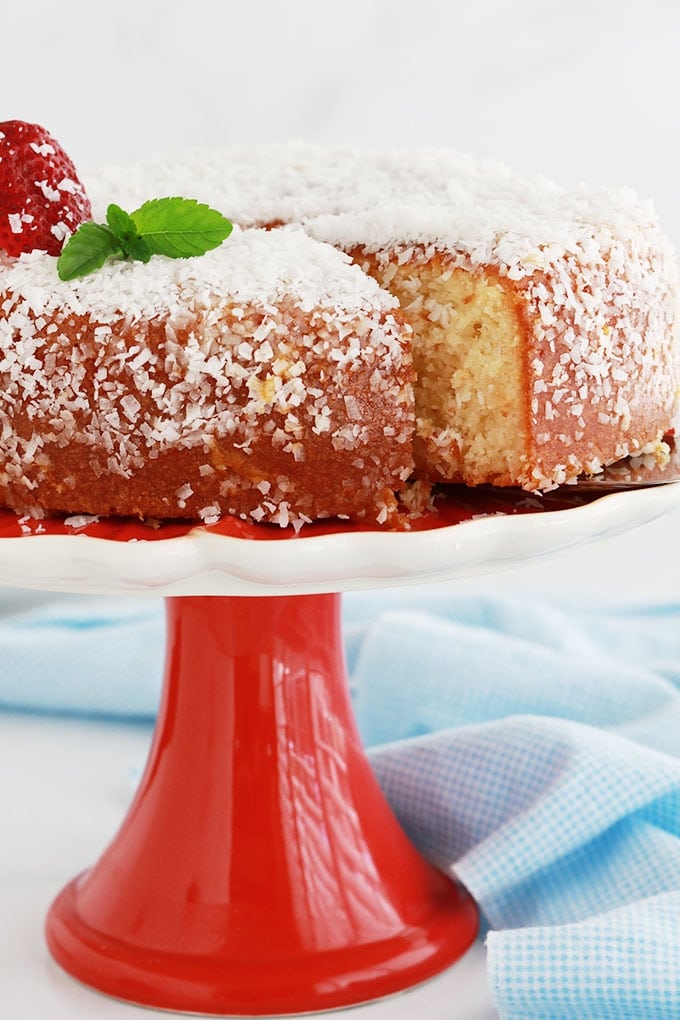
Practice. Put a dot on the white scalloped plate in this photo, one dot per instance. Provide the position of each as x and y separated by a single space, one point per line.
203 561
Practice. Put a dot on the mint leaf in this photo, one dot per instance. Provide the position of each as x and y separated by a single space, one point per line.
123 228
86 250
180 227
176 227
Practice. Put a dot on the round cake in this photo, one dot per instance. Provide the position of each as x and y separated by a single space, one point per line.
376 318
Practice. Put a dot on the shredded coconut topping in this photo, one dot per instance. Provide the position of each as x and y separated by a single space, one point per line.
252 267
422 196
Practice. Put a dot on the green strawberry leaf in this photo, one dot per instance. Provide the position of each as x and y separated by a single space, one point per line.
180 227
87 250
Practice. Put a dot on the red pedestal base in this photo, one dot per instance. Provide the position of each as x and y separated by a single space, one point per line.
259 870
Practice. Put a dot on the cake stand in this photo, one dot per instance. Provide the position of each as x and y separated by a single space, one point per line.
259 870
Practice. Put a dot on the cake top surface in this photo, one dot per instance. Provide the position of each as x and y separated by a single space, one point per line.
382 198
253 267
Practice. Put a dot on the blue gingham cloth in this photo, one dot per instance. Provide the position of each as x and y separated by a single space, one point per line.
530 748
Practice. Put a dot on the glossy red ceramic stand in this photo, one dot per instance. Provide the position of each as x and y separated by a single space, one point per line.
259 870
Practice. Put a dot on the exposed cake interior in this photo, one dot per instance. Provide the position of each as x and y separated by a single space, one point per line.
471 423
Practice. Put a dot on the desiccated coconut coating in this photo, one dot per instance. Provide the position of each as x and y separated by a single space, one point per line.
570 360
269 378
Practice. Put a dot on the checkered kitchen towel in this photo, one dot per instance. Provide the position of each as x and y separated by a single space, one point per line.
532 749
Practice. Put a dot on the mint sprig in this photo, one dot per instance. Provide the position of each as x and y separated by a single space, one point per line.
176 227
86 251
123 229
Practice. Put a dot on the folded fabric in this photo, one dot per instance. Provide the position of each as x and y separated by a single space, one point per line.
81 655
623 963
530 748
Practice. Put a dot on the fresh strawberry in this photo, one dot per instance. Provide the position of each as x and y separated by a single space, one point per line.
41 199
